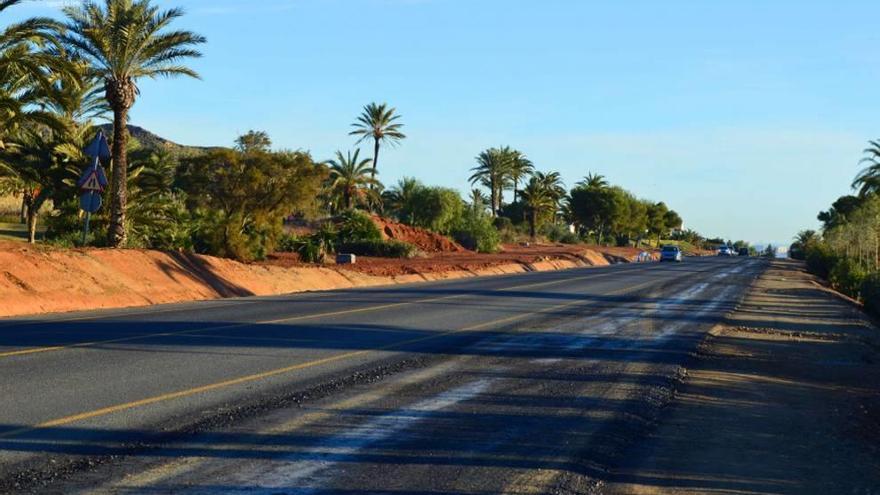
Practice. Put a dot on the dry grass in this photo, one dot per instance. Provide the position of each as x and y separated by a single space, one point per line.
10 207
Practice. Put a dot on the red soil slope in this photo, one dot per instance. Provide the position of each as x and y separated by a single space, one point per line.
425 240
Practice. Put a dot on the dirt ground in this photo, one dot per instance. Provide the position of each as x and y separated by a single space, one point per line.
783 399
469 261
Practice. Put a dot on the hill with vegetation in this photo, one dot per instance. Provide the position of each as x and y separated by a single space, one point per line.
150 140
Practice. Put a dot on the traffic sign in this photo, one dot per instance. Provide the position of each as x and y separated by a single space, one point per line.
90 202
98 147
93 178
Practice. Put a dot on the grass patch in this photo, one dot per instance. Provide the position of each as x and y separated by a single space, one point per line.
14 231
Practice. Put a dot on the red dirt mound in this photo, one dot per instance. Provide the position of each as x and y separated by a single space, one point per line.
427 241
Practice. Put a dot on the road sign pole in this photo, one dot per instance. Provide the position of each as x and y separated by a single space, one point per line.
88 217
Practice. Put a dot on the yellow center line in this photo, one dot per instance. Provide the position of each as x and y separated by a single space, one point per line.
39 350
287 369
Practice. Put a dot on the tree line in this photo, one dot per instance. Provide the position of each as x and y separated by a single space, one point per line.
846 249
58 79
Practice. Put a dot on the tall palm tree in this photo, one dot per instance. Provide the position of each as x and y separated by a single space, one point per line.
351 179
493 172
378 122
868 180
124 41
538 200
520 168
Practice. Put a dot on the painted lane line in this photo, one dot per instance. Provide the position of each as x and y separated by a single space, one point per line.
39 350
287 369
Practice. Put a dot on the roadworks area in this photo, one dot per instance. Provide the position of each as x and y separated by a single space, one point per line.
38 279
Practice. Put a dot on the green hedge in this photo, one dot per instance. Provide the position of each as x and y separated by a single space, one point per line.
377 248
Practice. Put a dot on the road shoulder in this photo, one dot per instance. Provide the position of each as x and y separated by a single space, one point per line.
783 398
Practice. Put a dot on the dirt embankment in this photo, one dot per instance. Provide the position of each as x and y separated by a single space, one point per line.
427 241
41 280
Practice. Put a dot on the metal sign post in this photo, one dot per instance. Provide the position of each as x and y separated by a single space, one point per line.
93 181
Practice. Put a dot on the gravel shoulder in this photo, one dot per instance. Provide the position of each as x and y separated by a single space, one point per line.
783 398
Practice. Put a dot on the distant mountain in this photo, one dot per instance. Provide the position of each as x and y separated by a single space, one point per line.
149 140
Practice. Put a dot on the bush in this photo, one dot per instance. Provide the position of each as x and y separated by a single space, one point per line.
870 292
353 225
476 232
555 232
506 229
378 248
311 250
436 208
289 243
847 276
570 238
820 259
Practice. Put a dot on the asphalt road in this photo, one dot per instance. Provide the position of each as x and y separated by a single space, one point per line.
526 384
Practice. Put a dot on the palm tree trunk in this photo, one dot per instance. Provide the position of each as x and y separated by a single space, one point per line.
119 193
29 200
32 224
375 163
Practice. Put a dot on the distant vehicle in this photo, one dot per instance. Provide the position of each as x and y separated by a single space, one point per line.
725 251
670 253
744 251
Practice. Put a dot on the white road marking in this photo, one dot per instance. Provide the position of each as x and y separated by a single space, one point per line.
289 473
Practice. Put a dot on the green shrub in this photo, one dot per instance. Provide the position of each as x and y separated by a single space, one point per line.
436 208
555 232
506 230
477 232
570 238
353 225
378 248
289 243
820 259
847 276
870 292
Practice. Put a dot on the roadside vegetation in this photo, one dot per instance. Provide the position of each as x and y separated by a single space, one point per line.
846 251
63 81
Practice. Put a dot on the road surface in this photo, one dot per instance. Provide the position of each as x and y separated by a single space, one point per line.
527 383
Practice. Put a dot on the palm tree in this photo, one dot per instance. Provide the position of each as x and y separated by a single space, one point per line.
400 198
538 199
520 168
478 201
595 181
493 172
380 123
124 41
868 180
552 183
351 179
26 65
253 141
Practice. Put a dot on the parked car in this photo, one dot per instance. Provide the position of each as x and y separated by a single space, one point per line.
744 251
670 253
725 251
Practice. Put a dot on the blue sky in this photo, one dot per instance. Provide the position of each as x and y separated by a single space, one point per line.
748 117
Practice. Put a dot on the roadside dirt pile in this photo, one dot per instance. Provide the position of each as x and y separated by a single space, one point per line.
427 241
44 280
